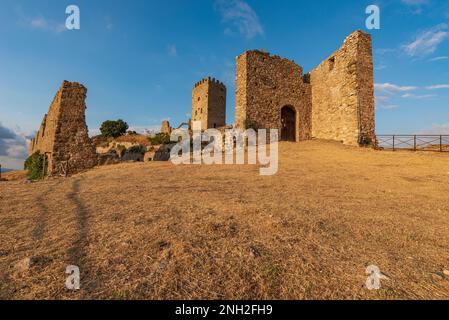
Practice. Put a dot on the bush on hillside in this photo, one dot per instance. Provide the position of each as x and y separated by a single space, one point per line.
137 149
35 166
159 139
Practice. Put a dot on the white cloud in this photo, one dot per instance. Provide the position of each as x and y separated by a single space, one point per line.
415 2
415 5
241 16
437 129
385 93
389 87
384 51
417 96
380 67
427 42
108 23
439 58
383 103
38 23
172 51
438 86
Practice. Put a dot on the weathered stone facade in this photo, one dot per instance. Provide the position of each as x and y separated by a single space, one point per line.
209 103
264 86
63 134
165 127
335 101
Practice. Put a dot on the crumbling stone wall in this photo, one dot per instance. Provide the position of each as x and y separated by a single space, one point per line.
63 134
334 101
165 127
264 85
209 103
343 93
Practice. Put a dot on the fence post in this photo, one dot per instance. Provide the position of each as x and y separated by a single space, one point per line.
393 143
414 143
441 143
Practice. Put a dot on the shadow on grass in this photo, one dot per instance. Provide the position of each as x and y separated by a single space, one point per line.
77 253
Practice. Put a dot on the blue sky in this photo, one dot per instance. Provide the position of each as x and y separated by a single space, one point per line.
140 58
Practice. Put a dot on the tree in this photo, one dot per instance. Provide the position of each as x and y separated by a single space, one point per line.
113 128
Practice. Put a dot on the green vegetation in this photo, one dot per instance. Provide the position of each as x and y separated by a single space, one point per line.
113 129
160 138
35 166
250 124
366 141
137 149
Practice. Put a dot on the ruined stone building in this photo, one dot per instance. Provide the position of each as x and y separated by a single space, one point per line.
334 101
165 127
63 135
209 103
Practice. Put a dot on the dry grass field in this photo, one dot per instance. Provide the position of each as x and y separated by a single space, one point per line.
159 231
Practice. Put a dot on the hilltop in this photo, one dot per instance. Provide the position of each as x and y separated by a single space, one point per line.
154 230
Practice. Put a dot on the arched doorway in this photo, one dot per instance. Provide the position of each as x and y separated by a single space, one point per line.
288 121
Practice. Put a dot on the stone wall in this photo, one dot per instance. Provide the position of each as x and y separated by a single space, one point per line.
165 127
334 101
343 93
264 85
209 103
63 134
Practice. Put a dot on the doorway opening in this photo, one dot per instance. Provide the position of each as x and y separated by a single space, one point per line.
288 121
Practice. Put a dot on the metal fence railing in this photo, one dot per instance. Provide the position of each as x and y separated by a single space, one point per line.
437 143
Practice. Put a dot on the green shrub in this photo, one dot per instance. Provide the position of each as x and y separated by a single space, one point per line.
160 138
366 141
113 129
250 124
137 149
35 166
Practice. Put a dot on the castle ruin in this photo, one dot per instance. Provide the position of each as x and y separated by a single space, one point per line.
335 101
209 103
63 135
165 127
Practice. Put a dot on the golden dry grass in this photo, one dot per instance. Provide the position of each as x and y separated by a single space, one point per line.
159 231
14 175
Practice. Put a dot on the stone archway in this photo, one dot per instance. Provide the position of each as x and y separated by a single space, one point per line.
288 122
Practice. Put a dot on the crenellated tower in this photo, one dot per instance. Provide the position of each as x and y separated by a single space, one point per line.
209 103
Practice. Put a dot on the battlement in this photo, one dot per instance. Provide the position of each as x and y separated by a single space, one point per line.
209 103
209 80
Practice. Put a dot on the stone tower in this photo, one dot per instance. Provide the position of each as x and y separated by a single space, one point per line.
63 135
165 127
209 103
